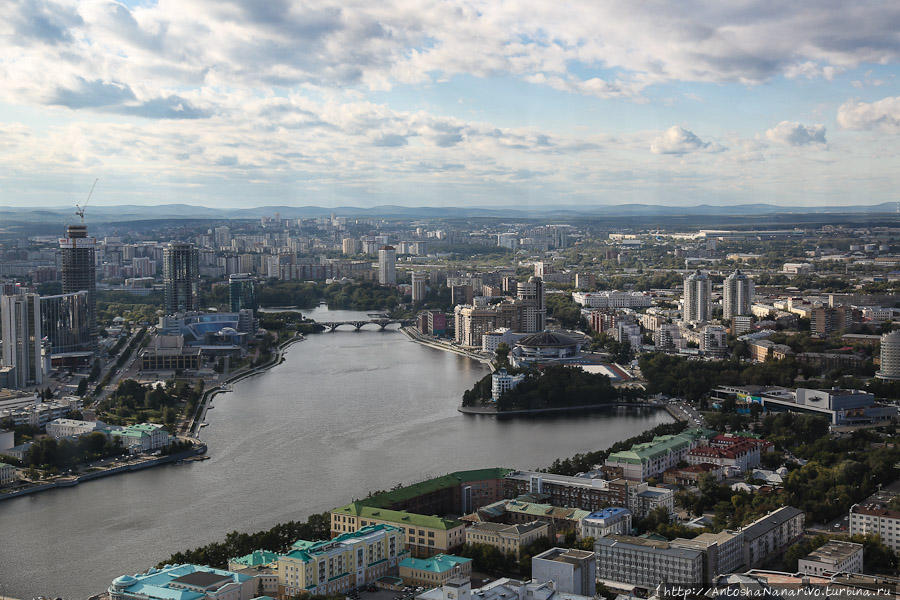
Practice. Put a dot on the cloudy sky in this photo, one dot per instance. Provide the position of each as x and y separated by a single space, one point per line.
420 102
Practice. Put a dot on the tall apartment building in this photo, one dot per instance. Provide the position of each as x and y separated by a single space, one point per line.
65 322
737 295
338 565
824 320
534 313
79 270
387 265
20 316
350 246
890 356
472 322
181 275
419 286
242 292
697 296
713 340
647 563
877 519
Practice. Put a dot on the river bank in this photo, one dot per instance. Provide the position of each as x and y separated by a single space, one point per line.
489 410
63 482
413 334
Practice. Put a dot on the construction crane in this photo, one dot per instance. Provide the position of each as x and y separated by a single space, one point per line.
79 209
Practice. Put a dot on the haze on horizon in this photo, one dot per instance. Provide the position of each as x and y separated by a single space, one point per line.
236 103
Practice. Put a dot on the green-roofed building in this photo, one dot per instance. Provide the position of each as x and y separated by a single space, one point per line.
257 558
434 571
561 519
650 459
338 565
419 509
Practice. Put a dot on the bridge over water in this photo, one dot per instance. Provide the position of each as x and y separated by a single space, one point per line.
381 322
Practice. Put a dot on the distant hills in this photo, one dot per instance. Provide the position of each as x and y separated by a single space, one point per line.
127 212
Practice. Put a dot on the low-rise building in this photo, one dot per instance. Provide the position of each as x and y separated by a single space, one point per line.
571 571
614 520
460 588
650 459
501 382
691 474
184 582
562 490
643 499
876 519
834 557
60 428
340 564
7 474
509 539
141 437
723 551
560 518
647 563
434 571
740 456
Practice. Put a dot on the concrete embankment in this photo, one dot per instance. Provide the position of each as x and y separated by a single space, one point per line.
225 386
487 410
73 481
438 345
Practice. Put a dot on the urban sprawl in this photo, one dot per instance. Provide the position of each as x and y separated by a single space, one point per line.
776 351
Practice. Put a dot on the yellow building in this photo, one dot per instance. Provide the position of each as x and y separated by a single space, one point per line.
424 535
509 539
335 566
435 571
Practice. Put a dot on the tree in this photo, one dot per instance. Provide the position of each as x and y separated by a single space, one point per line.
502 353
82 387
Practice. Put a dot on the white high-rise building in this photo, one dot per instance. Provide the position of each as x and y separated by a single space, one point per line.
890 356
419 286
737 295
22 348
697 294
387 265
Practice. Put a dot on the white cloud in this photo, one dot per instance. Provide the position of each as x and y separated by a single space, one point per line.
791 133
678 140
883 115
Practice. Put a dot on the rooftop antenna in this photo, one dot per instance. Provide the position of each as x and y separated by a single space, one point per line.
79 209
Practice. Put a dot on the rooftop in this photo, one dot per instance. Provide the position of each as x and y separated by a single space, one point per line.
766 523
388 499
834 552
400 517
440 563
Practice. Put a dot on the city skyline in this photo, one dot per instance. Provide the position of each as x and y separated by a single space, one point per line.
230 104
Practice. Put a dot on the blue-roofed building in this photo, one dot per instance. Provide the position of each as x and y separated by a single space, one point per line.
614 520
434 571
184 582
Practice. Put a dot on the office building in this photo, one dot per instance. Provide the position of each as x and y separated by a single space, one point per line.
65 322
387 265
737 295
875 518
419 286
771 534
614 520
571 571
20 317
434 571
184 582
181 275
890 356
242 292
834 557
79 270
350 246
723 551
509 539
531 296
343 563
646 563
697 296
